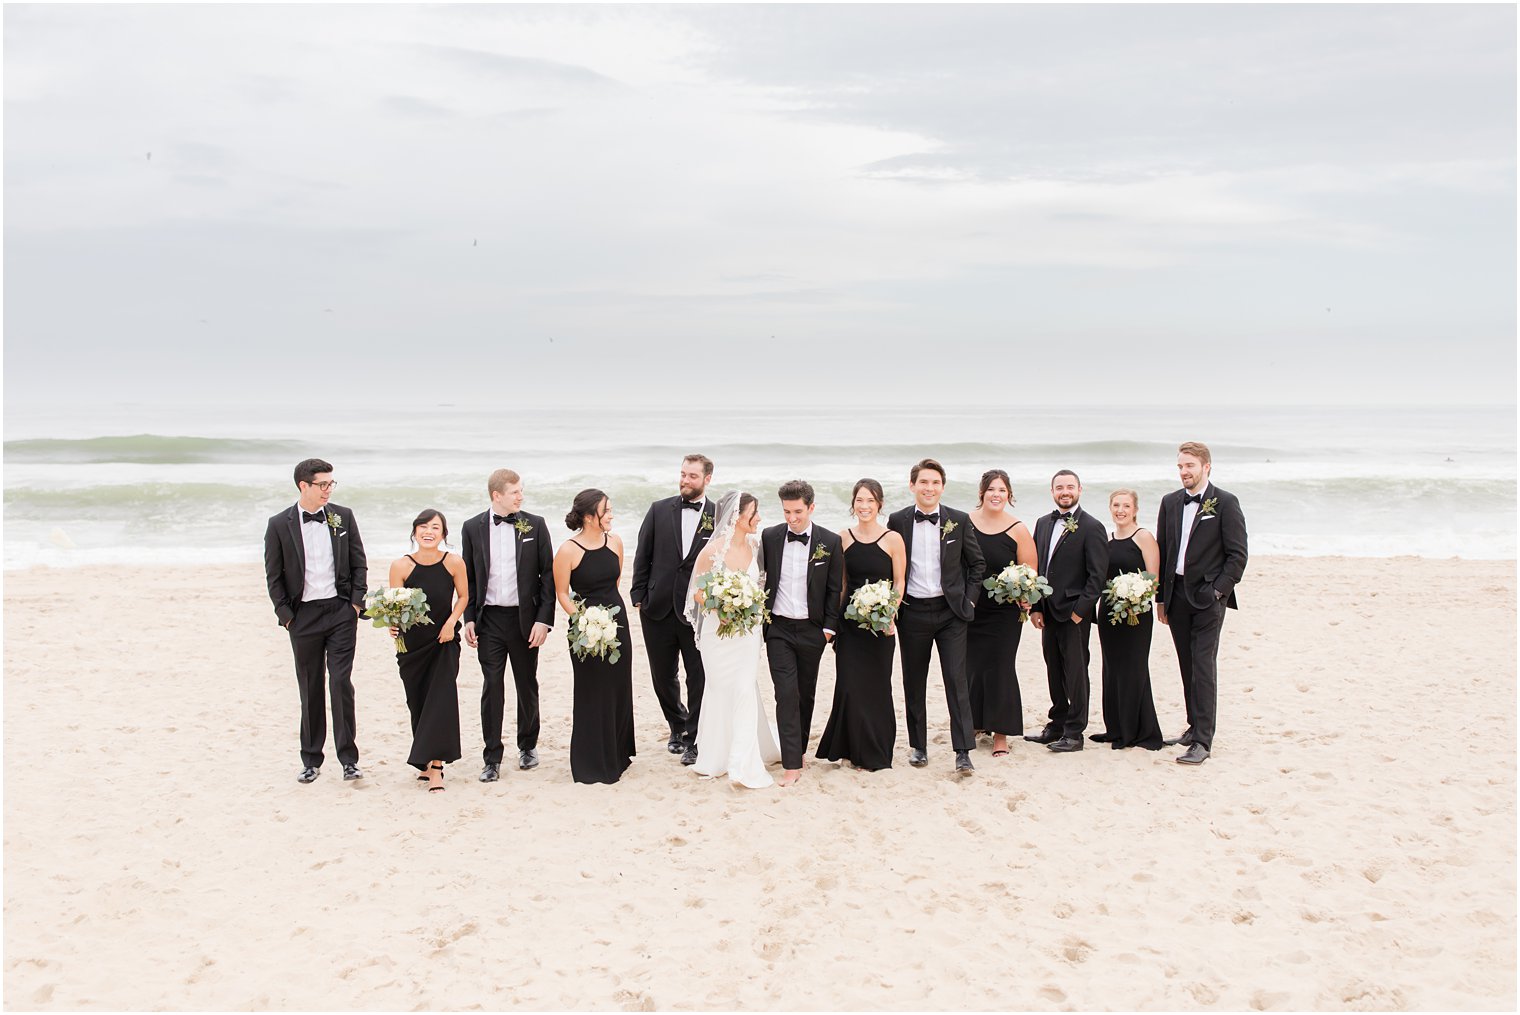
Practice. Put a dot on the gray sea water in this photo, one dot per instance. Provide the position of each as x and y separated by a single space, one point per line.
172 484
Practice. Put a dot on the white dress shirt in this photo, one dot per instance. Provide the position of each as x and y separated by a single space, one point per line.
1058 533
1189 512
923 570
321 580
501 583
791 585
689 520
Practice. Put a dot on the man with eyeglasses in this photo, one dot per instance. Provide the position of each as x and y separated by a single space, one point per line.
314 563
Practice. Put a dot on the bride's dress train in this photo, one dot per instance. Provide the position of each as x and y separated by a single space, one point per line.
734 735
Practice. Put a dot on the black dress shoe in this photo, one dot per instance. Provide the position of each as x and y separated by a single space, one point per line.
490 773
675 746
1103 738
528 759
1048 735
1066 745
963 763
308 774
690 757
1197 754
1184 739
351 772
918 759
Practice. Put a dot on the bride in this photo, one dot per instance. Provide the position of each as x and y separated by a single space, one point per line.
733 734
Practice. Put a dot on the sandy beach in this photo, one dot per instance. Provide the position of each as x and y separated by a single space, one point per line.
1350 845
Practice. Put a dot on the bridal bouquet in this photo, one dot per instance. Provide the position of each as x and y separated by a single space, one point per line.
1017 583
401 608
736 598
1130 597
593 632
874 606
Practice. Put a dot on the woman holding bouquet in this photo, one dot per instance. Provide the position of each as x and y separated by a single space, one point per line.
430 665
586 572
862 725
992 640
1129 712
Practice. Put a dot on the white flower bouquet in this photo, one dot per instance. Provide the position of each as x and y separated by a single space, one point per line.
401 608
593 631
736 598
874 606
1017 583
1130 596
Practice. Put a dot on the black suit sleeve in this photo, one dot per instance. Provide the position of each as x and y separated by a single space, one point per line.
545 577
471 573
642 557
974 562
833 590
1232 530
274 574
358 565
1097 570
1161 549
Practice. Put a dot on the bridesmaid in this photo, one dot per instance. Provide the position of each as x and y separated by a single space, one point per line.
589 564
992 640
862 726
430 665
1129 712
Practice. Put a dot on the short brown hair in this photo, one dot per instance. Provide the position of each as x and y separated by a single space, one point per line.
1125 491
796 489
706 463
501 479
308 470
927 463
1065 472
987 478
1197 449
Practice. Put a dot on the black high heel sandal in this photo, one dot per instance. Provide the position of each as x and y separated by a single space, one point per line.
438 788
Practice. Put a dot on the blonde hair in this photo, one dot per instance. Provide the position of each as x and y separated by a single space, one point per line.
1124 491
1197 449
501 479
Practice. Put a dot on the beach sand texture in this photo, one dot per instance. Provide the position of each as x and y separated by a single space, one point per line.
1350 845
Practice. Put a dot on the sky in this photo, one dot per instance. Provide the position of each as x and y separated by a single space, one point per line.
898 206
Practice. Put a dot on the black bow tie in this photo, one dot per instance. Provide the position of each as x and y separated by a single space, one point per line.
797 537
919 516
691 505
497 519
1196 498
1059 516
307 516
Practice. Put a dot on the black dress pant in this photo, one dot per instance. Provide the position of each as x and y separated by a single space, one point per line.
1067 651
669 640
1195 632
794 648
923 625
322 638
499 633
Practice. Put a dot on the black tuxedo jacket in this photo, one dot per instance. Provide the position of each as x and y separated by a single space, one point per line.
661 565
961 564
1079 569
1216 549
535 569
285 560
825 573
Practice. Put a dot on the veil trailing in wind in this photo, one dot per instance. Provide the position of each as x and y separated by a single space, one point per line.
717 548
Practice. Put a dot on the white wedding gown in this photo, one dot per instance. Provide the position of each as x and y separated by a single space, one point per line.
734 736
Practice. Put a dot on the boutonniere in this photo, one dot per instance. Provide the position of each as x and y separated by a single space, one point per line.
334 521
1070 524
947 528
523 526
1207 510
821 553
705 525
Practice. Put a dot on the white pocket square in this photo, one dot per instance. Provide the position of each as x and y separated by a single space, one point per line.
819 563
1205 518
529 539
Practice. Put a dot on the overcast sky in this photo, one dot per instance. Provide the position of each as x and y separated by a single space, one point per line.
1088 205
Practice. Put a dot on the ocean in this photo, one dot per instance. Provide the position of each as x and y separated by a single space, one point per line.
179 484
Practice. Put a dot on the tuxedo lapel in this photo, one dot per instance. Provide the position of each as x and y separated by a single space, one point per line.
293 523
903 525
1042 533
1198 515
332 534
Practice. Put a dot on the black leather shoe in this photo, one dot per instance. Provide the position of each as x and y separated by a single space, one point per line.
1048 735
351 772
1066 745
690 757
1184 740
490 773
963 763
1102 738
528 759
918 759
1197 754
674 746
308 774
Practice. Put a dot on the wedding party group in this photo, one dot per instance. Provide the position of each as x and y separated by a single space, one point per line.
718 597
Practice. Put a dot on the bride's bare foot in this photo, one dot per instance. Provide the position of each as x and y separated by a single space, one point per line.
999 745
790 776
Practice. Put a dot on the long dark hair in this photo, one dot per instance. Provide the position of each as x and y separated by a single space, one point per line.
427 515
584 506
987 478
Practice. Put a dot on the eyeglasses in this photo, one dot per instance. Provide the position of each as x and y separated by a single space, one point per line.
324 486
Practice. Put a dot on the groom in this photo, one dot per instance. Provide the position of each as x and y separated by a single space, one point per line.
315 568
804 573
1201 533
510 566
674 532
945 568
